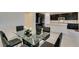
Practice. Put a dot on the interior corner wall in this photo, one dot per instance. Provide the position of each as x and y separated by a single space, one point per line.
29 18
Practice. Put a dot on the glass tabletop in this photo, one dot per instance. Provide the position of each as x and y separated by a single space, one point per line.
32 39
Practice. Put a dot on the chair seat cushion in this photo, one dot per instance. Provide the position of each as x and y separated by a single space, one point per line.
14 42
47 44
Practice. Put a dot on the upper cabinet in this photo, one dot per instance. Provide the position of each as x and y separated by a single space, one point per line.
67 16
54 17
71 16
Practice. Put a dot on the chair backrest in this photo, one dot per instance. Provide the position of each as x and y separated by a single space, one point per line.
1 45
46 29
58 42
4 39
38 30
72 26
19 28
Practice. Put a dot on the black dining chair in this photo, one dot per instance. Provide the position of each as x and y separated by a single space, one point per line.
58 42
38 30
46 29
9 43
19 28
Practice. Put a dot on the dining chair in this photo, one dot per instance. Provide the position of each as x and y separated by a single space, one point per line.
38 30
57 43
59 40
46 29
19 28
9 43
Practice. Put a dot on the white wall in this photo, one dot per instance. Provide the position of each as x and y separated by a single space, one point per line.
47 19
11 18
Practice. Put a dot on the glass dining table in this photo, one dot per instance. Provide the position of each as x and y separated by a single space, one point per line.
33 40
